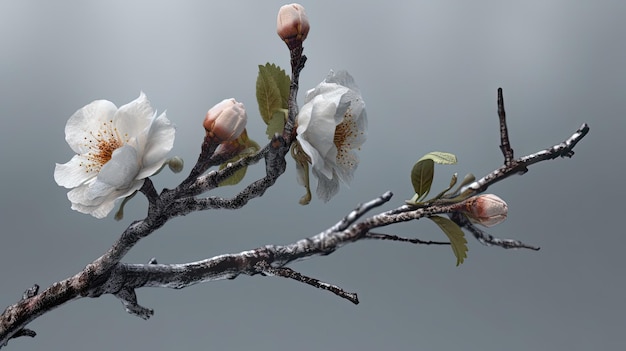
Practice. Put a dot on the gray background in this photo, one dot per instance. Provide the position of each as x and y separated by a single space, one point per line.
428 71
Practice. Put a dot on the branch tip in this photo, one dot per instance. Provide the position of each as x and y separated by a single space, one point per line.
285 272
129 299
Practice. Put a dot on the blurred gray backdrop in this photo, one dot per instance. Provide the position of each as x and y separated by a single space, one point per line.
428 71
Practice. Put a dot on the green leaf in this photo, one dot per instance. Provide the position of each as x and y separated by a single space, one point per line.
237 176
277 123
442 158
422 176
456 236
272 90
284 83
251 148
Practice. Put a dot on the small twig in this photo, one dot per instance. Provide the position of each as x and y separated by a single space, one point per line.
563 149
358 212
286 272
488 239
391 237
505 144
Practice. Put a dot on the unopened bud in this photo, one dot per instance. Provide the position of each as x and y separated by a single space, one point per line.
487 210
292 25
176 164
226 120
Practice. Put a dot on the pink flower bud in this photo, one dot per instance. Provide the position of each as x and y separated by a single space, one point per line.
292 25
226 120
487 210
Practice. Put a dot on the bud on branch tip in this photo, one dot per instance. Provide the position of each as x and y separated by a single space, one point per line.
292 25
226 120
487 210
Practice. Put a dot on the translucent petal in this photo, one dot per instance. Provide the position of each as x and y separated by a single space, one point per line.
87 119
71 174
342 78
160 143
326 188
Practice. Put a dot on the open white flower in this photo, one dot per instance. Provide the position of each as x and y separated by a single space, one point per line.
331 125
116 149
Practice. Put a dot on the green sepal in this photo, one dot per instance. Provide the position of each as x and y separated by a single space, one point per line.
456 236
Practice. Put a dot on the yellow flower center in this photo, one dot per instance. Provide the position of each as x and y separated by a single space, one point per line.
101 145
345 133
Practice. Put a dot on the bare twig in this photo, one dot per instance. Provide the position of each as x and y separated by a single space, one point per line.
391 237
488 239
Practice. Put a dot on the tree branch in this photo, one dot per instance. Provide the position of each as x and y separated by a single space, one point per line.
107 275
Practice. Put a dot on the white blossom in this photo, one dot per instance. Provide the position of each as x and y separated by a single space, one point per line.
116 149
331 125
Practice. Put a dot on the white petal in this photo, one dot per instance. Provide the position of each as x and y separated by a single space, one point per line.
342 78
326 188
71 174
160 143
122 168
317 140
134 118
330 91
85 120
82 195
101 206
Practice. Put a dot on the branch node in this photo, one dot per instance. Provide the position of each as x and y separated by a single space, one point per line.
30 292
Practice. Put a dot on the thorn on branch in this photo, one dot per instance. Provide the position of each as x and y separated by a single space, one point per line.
285 272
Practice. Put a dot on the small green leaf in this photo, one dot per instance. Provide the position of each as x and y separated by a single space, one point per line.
442 158
251 148
236 177
277 123
422 176
456 236
268 94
